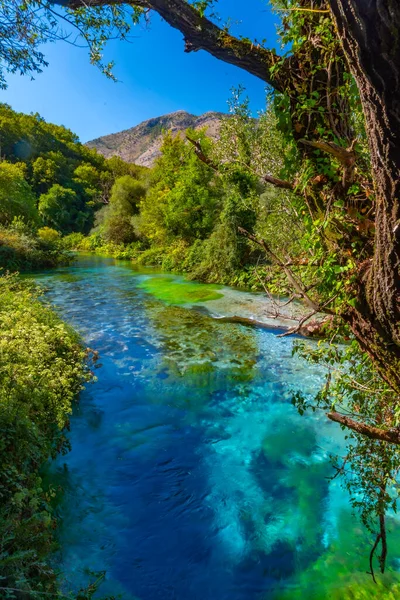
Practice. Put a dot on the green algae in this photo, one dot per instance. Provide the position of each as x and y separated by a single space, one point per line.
341 571
174 291
67 277
275 444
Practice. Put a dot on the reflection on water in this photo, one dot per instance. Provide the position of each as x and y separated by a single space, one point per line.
191 475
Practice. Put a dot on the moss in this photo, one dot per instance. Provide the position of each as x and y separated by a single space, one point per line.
175 292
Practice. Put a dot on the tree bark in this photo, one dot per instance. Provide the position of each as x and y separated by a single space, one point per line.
392 436
370 34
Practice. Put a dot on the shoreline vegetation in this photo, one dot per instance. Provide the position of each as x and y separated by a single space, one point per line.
43 366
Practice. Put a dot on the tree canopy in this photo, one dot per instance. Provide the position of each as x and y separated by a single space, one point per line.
45 168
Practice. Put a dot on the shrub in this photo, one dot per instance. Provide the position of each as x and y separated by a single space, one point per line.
48 235
41 372
25 252
72 241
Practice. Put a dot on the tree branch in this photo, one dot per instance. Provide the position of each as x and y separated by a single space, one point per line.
392 436
200 154
280 183
291 277
371 557
202 34
346 156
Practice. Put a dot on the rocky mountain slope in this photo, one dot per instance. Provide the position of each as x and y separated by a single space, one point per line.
141 144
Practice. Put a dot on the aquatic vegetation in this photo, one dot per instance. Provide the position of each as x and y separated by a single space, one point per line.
340 572
174 291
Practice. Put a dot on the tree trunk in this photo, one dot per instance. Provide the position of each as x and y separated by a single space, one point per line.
370 33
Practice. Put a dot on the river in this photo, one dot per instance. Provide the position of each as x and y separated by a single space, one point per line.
191 475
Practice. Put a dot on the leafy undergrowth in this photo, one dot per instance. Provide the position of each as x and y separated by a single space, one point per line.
23 250
42 369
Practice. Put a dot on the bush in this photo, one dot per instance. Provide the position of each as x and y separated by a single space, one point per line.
152 256
175 257
41 372
48 235
72 241
25 252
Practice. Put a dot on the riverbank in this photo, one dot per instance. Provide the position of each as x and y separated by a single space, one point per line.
180 259
42 369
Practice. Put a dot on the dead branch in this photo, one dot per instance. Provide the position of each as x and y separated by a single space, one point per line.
339 470
346 156
299 326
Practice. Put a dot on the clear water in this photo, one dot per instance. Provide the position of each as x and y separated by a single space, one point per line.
191 476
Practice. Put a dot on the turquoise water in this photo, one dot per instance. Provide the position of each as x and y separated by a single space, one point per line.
191 475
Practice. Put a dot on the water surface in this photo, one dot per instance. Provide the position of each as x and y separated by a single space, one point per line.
191 475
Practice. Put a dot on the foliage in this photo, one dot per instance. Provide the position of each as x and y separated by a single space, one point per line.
72 241
95 243
47 166
325 244
182 199
16 196
59 208
23 250
115 219
25 26
41 372
48 235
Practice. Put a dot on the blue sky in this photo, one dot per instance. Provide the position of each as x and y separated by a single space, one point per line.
155 77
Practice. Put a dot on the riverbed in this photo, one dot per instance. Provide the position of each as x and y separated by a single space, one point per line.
191 475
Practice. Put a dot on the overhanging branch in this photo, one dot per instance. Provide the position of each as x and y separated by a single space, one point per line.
346 156
392 436
280 183
202 34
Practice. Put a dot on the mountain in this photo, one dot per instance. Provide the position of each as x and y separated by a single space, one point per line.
141 144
